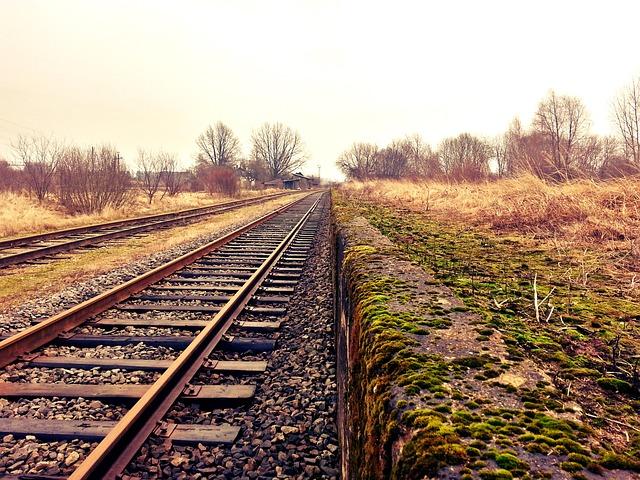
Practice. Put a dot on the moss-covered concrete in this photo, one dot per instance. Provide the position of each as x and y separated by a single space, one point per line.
448 376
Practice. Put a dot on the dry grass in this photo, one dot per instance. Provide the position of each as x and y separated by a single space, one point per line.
20 284
599 218
586 211
22 215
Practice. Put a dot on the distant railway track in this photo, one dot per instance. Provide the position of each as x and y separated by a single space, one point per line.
45 246
224 296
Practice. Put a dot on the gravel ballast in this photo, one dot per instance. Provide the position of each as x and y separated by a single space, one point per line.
32 311
289 429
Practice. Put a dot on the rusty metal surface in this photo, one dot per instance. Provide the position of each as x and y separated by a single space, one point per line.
114 452
47 330
14 242
177 218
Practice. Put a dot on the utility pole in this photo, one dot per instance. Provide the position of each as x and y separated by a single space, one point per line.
318 174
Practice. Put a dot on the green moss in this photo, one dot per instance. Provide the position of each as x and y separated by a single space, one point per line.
615 385
497 474
623 462
426 453
481 431
579 458
509 461
473 452
571 466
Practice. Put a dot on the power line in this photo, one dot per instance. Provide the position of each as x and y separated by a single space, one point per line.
17 124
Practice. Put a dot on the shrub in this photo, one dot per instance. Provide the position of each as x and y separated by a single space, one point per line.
218 179
90 180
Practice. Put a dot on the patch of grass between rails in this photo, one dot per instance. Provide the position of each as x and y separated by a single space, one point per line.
22 283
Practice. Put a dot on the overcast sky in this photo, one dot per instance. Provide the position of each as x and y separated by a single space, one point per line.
154 74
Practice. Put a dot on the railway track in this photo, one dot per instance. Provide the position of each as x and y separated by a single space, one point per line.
169 331
46 246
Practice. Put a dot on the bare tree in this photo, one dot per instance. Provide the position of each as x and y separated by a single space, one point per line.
150 172
421 160
499 146
465 157
253 170
279 147
218 146
627 116
564 122
91 179
11 179
40 156
360 161
171 178
513 144
393 161
614 161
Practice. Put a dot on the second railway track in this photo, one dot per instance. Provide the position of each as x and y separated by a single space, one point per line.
154 341
40 247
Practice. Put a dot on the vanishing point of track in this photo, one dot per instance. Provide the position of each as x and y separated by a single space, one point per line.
40 247
239 283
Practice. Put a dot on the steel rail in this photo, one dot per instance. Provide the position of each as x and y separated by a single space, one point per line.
16 258
109 459
28 239
46 331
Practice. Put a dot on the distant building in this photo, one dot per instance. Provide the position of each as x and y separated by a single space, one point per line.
295 181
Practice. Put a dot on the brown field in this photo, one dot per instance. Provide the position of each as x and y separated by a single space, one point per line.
21 214
598 217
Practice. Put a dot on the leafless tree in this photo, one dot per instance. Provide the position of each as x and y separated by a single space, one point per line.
422 160
514 148
218 146
499 147
564 122
627 116
611 160
393 161
11 179
171 178
465 157
40 156
279 147
91 179
360 161
150 172
253 170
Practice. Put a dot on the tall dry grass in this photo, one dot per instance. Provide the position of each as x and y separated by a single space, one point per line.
602 216
22 215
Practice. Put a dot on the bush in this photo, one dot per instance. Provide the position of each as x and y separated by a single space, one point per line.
217 179
11 179
90 180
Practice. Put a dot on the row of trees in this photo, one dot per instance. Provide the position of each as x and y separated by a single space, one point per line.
84 179
276 150
89 179
557 146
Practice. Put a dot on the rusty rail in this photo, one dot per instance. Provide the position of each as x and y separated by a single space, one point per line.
115 451
176 218
27 239
46 331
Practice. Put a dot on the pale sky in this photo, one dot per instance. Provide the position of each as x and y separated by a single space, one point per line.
154 74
